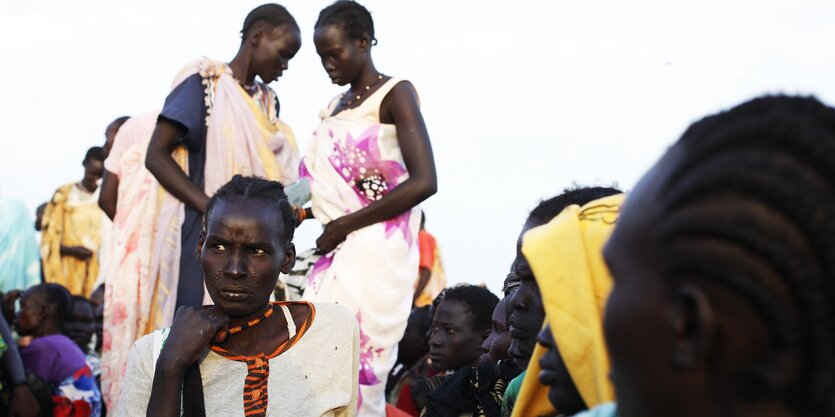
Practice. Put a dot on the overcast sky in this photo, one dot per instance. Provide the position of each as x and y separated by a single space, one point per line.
521 98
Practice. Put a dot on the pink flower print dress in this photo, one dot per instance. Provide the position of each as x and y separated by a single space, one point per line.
352 161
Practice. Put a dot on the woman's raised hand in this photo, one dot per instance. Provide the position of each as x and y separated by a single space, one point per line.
193 330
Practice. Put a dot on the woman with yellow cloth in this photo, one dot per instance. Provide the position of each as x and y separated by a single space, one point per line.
72 228
567 261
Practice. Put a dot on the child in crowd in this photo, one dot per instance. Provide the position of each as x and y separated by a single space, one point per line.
460 325
53 357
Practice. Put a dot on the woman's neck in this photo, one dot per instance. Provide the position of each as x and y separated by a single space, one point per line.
46 330
367 77
242 67
90 186
260 338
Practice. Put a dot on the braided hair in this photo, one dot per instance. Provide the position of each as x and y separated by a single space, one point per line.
351 16
255 188
273 14
759 180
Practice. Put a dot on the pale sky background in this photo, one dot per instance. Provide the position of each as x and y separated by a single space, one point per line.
521 98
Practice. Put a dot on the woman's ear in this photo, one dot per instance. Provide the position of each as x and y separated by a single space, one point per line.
289 259
693 327
199 249
364 43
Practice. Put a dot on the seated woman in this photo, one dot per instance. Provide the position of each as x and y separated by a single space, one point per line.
52 357
724 265
232 358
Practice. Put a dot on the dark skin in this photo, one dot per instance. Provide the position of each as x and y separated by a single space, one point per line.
22 403
266 52
97 298
80 326
348 61
110 136
562 393
93 170
36 317
243 249
39 216
415 343
108 196
678 345
455 342
527 316
496 346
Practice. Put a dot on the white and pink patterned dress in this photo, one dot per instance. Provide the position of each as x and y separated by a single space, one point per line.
352 161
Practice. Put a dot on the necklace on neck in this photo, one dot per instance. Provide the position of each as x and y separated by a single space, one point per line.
358 96
238 329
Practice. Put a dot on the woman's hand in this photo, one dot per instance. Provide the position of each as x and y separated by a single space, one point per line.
193 330
335 233
79 252
23 403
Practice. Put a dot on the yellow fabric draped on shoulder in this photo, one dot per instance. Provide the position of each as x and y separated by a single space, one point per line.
566 257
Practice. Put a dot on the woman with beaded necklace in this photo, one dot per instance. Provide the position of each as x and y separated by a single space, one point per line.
245 355
369 165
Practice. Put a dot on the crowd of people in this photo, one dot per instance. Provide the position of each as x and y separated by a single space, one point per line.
167 282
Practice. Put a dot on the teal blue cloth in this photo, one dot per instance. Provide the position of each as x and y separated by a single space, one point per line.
20 261
602 410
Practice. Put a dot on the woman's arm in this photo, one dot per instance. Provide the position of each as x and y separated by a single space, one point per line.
109 194
401 108
192 331
159 161
23 403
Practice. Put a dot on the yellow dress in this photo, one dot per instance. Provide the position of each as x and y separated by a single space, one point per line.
72 218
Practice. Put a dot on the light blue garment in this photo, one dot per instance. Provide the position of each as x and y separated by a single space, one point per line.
20 260
298 193
603 410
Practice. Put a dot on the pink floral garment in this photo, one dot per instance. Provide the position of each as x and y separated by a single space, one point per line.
352 161
129 285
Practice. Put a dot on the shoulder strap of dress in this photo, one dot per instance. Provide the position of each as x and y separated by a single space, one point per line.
291 325
372 104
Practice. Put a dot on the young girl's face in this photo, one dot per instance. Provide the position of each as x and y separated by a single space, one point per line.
342 58
276 47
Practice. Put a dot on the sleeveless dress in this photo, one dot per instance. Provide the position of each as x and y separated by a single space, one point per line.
352 161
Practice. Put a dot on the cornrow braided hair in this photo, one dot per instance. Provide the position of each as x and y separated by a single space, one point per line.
755 192
274 14
351 16
255 188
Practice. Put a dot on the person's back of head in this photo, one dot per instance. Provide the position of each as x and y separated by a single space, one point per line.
723 260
